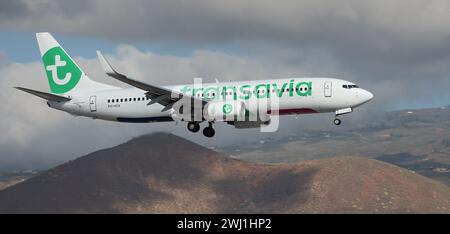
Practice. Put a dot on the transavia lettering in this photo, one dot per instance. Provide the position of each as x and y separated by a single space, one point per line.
247 91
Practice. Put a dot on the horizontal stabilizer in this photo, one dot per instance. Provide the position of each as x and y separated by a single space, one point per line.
46 96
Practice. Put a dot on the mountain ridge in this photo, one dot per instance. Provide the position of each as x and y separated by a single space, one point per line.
164 173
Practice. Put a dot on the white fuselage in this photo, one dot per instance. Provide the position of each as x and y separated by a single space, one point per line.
294 96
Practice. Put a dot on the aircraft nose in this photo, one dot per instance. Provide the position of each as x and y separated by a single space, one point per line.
367 96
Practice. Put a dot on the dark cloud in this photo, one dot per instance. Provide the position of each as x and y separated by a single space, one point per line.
11 9
400 50
379 40
391 31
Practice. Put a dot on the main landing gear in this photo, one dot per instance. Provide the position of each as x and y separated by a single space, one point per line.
193 126
207 131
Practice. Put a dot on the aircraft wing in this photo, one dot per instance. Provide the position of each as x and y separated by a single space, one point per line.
46 96
157 94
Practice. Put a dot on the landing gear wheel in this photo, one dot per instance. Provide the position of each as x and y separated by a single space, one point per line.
337 122
193 126
209 132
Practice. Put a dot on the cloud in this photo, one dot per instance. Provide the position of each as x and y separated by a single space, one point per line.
397 49
369 42
36 136
375 26
365 25
11 9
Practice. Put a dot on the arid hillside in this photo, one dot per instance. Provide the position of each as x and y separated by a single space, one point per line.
163 173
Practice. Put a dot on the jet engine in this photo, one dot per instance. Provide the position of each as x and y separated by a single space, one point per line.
224 111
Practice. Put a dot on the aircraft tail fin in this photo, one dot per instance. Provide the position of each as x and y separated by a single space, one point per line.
63 73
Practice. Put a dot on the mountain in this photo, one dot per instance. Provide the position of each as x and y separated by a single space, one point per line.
164 173
14 177
415 139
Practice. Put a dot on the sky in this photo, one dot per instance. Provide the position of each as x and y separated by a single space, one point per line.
399 50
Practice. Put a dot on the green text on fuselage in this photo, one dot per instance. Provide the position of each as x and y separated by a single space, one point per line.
247 91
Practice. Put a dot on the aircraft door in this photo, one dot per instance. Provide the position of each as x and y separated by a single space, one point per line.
327 88
93 103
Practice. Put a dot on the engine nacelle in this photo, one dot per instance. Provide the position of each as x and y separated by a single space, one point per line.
175 116
224 111
249 124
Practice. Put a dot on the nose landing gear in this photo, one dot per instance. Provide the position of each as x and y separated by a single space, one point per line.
337 121
341 112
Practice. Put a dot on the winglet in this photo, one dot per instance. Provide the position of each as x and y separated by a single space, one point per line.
106 65
121 77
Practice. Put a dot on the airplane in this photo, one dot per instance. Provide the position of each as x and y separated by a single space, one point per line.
235 103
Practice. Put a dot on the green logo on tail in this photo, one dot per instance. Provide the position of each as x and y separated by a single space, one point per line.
62 73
